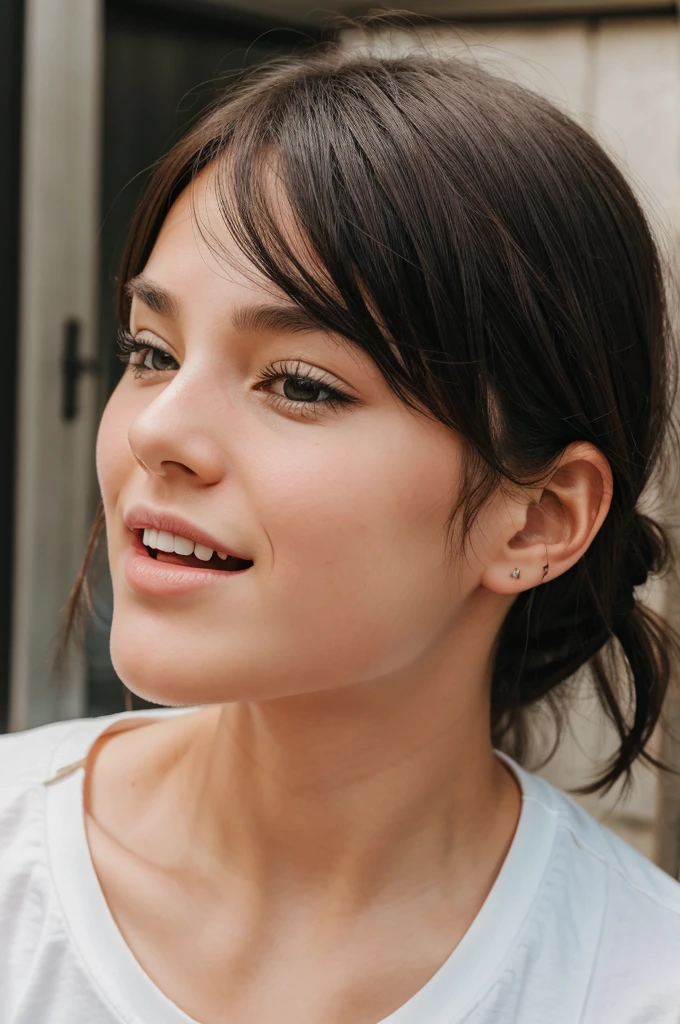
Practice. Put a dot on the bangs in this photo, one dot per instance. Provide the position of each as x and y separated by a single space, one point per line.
333 212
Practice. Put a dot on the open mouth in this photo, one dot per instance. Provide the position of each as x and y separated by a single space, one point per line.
196 557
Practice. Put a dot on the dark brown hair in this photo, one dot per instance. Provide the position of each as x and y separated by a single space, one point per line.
496 266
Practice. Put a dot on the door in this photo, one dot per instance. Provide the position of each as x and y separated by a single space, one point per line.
58 223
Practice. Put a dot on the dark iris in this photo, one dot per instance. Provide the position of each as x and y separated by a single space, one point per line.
159 360
308 388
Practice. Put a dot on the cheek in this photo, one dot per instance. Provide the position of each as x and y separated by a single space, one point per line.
359 548
364 510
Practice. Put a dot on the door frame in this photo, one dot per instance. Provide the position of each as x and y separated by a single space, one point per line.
11 36
58 227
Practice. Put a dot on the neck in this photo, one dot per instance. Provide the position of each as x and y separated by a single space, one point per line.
347 791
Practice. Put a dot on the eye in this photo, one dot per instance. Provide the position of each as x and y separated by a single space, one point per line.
143 356
152 358
303 394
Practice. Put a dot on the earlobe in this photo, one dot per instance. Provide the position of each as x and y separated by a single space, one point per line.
559 523
521 557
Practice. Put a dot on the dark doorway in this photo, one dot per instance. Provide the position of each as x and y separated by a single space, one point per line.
164 62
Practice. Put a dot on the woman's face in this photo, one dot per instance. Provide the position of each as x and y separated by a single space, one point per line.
341 508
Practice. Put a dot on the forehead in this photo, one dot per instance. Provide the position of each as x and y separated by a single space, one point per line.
194 243
207 206
195 253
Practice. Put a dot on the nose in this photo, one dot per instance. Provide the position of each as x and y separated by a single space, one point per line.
176 435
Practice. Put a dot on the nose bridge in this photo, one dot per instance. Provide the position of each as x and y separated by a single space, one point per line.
180 426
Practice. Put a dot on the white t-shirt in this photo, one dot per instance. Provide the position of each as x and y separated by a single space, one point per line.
579 928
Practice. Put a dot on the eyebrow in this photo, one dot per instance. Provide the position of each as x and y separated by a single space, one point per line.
279 319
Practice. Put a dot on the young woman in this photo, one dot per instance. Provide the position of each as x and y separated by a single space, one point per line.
398 375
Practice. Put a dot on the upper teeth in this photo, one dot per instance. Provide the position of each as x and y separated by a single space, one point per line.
170 542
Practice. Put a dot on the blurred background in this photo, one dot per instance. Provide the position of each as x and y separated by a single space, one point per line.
92 92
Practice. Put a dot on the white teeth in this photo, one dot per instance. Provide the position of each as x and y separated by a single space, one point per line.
162 540
165 541
183 546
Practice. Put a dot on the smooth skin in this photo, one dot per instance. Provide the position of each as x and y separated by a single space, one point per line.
314 842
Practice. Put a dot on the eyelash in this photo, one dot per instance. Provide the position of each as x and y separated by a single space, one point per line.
128 345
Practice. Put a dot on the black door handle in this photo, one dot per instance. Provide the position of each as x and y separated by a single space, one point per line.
73 367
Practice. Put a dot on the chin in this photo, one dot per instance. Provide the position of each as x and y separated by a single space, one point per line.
162 672
160 682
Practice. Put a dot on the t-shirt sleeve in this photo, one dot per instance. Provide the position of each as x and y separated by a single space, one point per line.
26 894
638 969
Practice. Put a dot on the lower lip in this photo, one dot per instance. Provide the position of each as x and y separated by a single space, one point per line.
163 579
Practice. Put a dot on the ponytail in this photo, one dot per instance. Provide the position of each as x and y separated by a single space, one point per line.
590 615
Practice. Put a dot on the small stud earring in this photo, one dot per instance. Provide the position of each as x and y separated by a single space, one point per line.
515 574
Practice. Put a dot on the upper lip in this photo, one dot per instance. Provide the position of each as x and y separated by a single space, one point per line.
140 517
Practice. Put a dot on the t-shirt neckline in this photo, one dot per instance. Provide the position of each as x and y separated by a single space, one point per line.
449 995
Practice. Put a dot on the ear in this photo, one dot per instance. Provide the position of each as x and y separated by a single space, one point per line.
550 525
